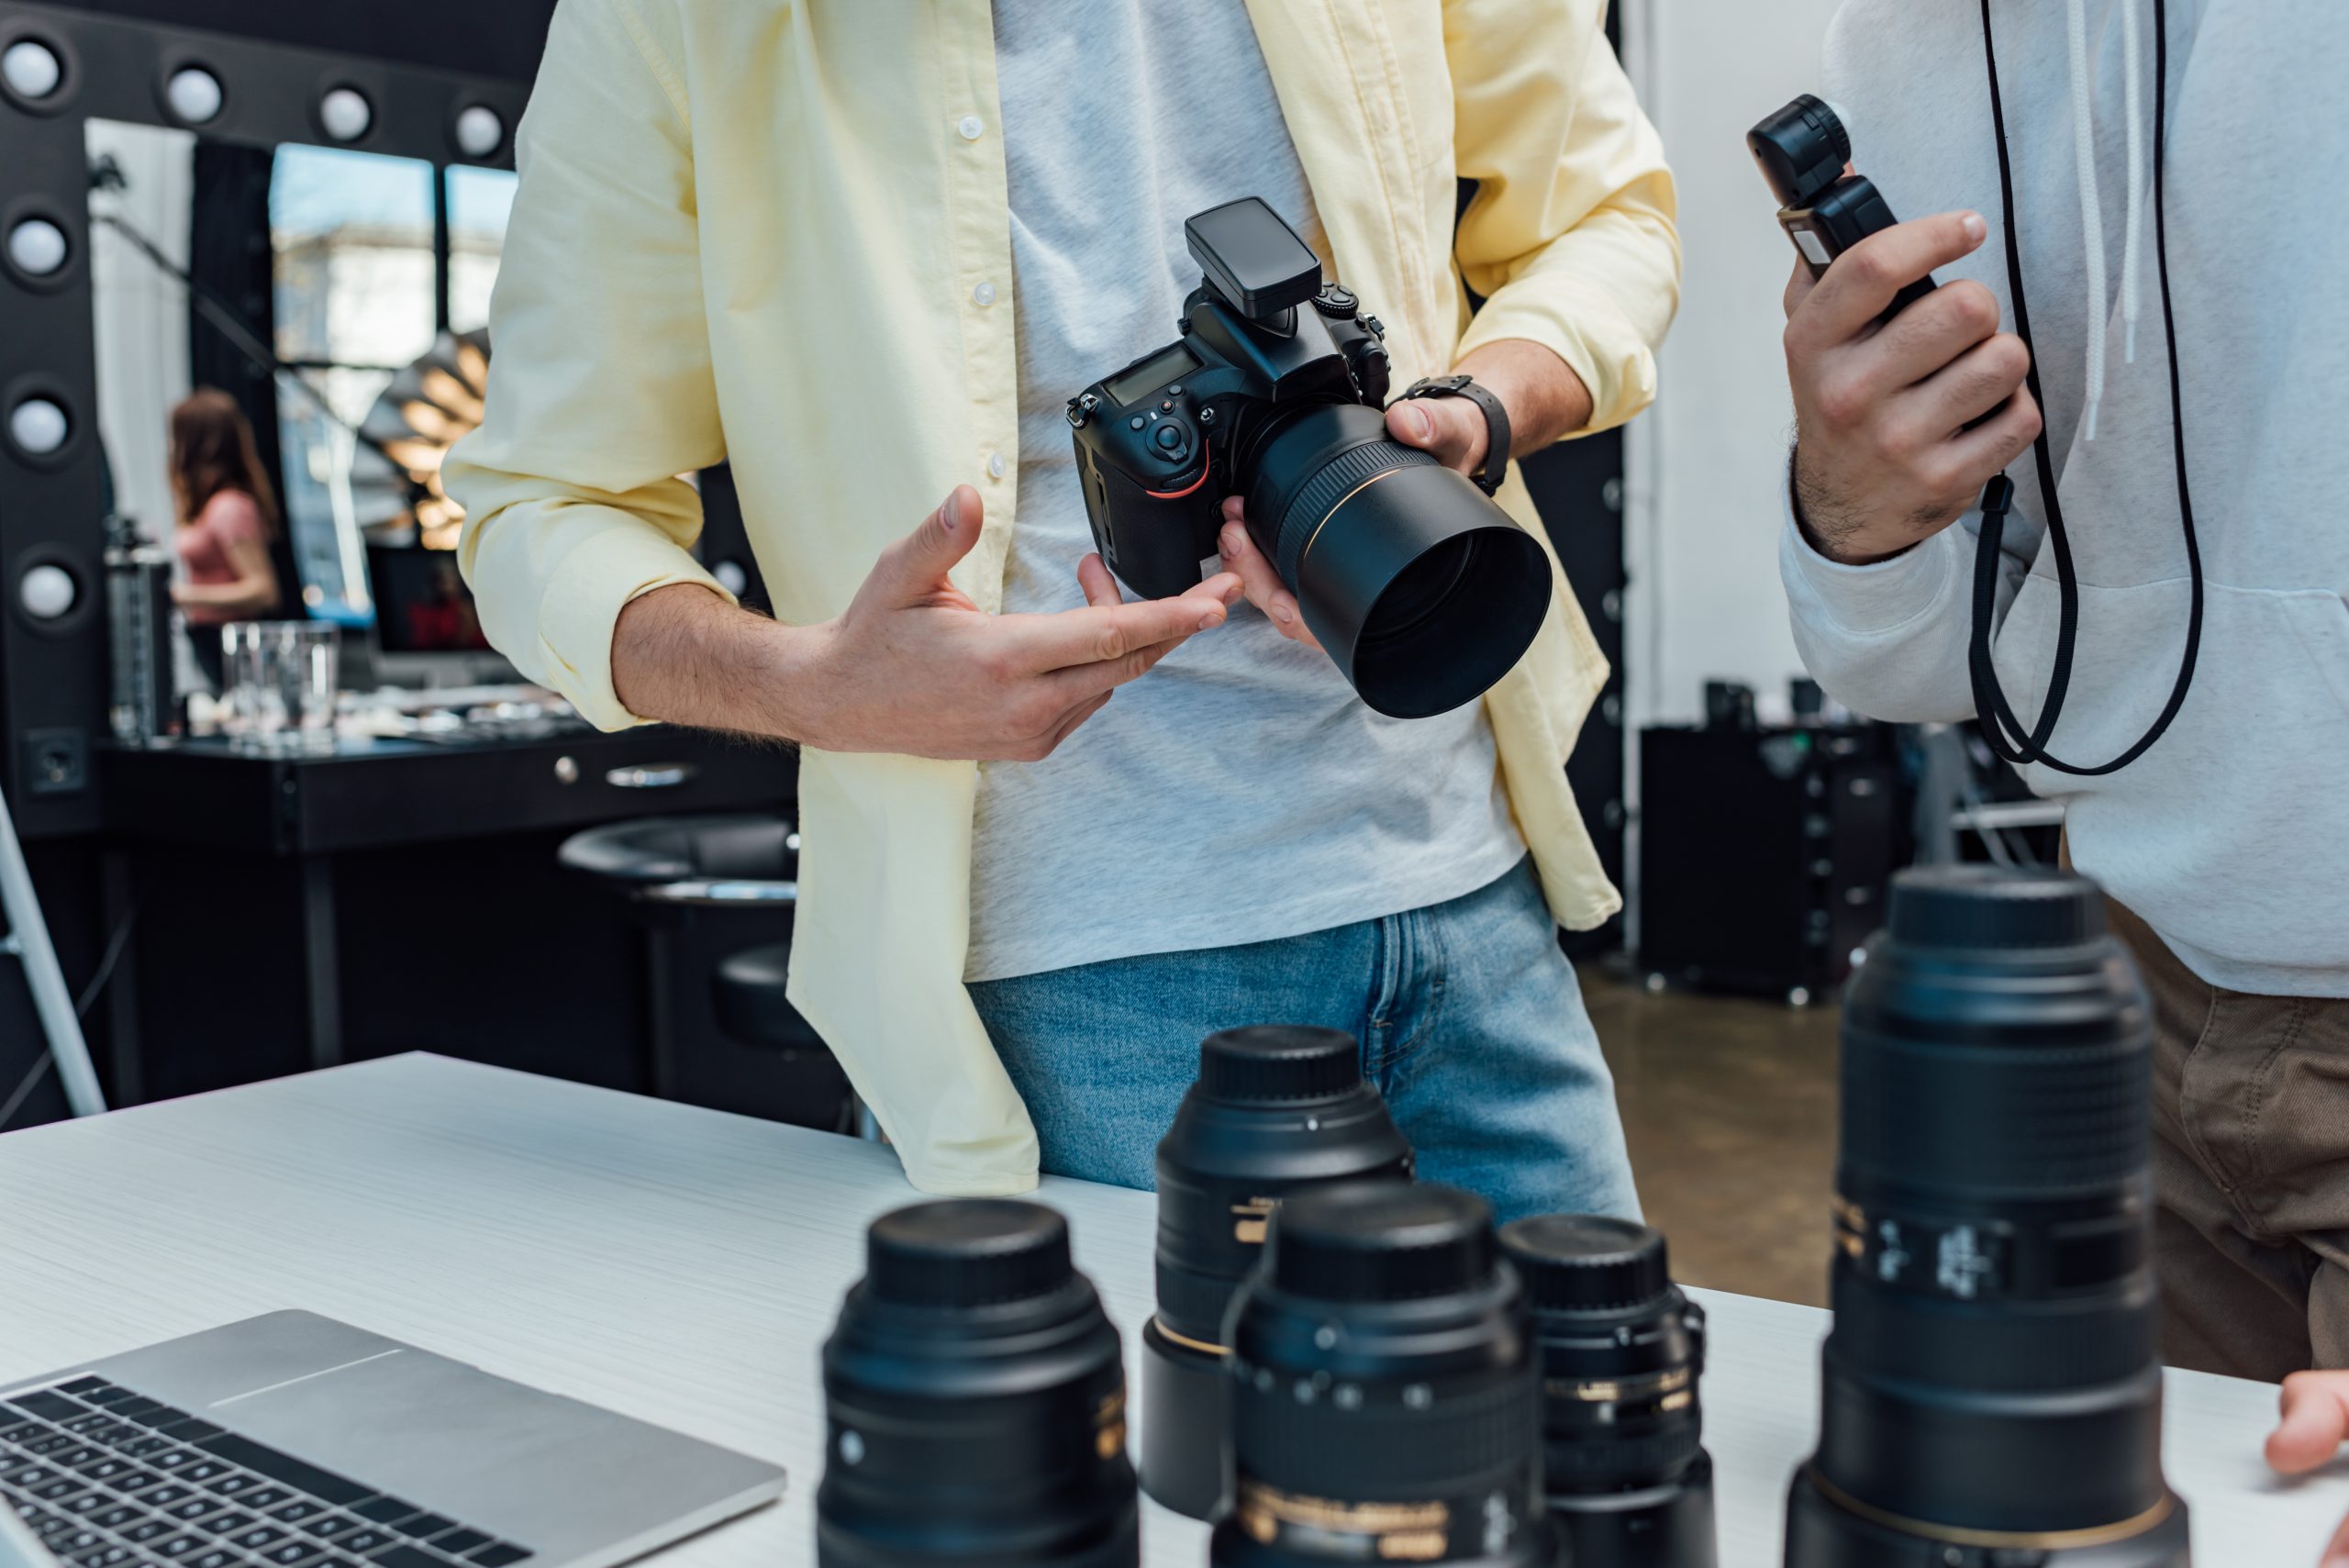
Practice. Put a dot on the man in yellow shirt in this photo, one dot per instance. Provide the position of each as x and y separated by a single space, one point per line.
867 251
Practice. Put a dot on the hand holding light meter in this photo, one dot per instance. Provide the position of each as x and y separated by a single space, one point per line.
1908 398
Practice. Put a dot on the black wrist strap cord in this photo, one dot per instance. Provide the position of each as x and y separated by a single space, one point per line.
2006 733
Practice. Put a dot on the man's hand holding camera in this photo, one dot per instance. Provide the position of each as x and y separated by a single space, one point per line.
1545 397
1884 457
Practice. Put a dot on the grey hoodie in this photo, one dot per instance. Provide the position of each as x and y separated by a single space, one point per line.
2230 837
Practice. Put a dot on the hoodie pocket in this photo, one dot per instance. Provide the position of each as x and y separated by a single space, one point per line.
2322 621
2225 835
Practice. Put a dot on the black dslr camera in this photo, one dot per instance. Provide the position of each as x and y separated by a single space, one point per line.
1422 590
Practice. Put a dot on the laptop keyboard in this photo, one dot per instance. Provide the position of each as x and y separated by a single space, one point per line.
109 1479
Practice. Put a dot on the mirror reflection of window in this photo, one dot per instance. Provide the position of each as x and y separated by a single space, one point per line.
479 203
356 287
140 313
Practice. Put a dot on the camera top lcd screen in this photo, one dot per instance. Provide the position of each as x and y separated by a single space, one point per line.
1139 381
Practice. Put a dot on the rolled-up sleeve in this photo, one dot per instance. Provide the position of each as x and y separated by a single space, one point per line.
1572 234
600 394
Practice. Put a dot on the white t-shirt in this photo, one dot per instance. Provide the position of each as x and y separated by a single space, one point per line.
1240 790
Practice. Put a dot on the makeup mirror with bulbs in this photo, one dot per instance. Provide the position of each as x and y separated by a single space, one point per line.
374 301
314 233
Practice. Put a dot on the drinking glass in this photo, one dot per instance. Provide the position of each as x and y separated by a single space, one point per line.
239 650
283 679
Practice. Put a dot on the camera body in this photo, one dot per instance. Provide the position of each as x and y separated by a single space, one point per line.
1161 443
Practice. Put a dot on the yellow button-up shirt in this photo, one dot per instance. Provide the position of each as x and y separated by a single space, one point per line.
775 231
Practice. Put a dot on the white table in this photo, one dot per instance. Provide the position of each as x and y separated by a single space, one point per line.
684 1266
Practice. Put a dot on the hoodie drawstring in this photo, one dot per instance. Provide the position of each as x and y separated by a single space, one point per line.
2134 109
2091 204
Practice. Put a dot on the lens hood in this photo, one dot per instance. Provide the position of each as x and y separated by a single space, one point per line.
1420 588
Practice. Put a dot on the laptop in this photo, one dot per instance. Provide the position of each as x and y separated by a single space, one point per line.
292 1440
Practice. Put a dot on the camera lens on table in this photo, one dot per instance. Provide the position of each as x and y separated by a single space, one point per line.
1277 1108
975 1401
1385 1399
1992 1388
1622 1350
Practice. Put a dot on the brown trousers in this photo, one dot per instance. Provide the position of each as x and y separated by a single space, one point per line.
2251 1171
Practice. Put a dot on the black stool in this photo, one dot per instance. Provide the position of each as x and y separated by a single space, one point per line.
722 1032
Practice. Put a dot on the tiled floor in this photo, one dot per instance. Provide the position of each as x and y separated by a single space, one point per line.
1731 1109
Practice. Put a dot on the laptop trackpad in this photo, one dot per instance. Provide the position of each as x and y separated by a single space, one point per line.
556 1474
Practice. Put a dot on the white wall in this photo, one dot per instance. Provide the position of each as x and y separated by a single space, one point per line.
1704 465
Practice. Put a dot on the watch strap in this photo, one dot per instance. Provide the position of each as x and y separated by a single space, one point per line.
1489 474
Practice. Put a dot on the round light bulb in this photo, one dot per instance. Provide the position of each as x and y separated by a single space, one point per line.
345 114
31 70
47 592
479 131
193 95
36 247
38 426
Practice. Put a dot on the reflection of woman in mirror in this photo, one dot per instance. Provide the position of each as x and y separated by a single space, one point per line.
227 514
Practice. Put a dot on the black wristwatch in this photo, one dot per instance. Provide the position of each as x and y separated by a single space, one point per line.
1488 477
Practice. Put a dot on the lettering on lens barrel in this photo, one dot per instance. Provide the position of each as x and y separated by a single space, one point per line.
1385 1400
1622 1350
1423 591
1992 1391
1276 1109
975 1401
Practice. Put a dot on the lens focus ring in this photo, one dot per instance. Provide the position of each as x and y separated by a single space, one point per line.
1386 1450
1594 1455
1919 1341
1337 479
1990 1120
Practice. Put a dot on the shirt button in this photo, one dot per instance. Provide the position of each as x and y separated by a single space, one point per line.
995 465
983 295
970 127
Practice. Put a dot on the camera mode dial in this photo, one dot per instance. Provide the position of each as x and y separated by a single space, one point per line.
1336 302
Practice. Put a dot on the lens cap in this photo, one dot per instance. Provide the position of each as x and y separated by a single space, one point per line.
1270 1062
966 1252
1588 1262
1381 1241
1992 908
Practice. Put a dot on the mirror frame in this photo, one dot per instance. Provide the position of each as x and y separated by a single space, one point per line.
53 677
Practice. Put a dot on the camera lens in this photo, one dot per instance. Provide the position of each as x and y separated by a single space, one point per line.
1276 1109
1628 1483
1385 1401
1422 590
1992 1390
975 1401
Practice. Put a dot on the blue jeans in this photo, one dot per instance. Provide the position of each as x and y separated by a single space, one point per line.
1470 1020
